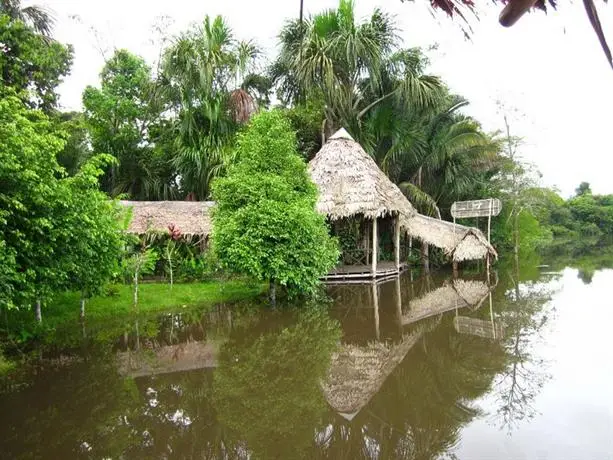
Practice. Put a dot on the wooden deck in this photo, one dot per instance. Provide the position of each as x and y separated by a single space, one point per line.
363 273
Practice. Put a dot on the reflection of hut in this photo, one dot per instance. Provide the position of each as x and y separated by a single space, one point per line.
358 372
192 218
169 358
458 294
458 241
351 185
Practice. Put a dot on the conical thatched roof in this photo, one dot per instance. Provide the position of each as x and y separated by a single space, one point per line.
350 182
458 241
192 218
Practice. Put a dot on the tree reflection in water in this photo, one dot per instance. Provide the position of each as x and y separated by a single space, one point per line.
526 312
266 398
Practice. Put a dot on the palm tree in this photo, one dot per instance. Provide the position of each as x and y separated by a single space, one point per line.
332 56
207 80
38 17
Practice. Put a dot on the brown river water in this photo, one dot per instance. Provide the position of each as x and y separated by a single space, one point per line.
421 367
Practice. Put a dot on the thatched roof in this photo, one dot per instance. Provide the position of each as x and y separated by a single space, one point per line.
458 241
351 183
192 218
458 294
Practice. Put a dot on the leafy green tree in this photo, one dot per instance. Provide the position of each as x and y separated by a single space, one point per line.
37 17
348 63
95 240
58 233
31 64
137 262
583 189
265 224
29 198
124 121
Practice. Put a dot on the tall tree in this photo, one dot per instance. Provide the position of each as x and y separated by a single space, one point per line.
208 81
30 64
265 224
52 228
126 122
345 61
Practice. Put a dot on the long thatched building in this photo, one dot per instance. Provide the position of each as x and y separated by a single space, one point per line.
191 218
459 242
351 185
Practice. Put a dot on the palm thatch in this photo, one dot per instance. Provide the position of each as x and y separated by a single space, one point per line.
458 241
451 296
351 183
191 218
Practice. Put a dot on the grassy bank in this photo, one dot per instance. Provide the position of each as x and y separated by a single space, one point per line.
152 298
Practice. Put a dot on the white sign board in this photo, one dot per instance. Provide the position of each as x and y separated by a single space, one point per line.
476 208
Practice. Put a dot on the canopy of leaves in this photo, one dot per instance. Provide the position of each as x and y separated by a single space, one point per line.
125 122
56 232
265 224
31 64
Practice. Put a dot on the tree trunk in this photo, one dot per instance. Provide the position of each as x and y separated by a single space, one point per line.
516 237
135 288
38 312
272 293
82 307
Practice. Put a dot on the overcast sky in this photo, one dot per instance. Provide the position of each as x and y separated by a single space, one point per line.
549 71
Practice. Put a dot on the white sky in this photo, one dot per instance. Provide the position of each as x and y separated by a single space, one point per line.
549 70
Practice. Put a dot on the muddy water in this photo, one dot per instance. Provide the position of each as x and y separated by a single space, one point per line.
418 367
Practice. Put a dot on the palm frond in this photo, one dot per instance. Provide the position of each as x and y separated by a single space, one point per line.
420 199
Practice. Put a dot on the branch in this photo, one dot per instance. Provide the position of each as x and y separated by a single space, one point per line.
372 104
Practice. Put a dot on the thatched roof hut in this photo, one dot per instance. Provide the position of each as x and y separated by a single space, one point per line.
351 183
192 218
458 241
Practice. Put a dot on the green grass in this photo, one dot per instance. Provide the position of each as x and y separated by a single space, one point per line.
152 297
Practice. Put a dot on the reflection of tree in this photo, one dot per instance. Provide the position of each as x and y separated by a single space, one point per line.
586 275
266 389
525 314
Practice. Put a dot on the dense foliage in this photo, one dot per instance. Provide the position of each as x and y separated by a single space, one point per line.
265 223
168 131
57 232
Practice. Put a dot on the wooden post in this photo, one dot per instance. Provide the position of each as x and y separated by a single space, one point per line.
366 241
398 305
492 316
489 221
375 247
455 269
397 242
375 302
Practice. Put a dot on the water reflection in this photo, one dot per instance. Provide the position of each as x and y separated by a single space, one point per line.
389 370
